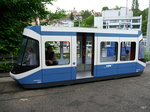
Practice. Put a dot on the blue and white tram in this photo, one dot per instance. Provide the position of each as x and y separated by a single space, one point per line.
81 55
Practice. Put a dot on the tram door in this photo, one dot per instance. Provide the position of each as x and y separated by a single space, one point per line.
85 55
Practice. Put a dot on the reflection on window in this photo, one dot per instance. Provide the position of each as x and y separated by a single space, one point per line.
57 53
141 50
127 51
31 53
22 49
109 51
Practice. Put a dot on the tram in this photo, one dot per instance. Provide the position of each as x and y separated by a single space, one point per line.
78 55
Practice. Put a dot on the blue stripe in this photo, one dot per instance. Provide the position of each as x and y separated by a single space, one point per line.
96 34
116 35
36 29
58 33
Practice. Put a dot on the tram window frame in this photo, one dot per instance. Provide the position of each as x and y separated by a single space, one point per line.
115 55
20 67
127 54
59 58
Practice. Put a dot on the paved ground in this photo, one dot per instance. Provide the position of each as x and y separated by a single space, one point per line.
4 75
121 95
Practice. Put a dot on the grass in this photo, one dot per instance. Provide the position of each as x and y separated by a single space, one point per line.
147 55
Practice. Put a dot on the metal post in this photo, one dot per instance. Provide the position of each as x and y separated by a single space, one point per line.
148 29
61 50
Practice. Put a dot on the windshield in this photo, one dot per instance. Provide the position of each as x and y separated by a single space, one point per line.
141 50
23 45
29 52
29 56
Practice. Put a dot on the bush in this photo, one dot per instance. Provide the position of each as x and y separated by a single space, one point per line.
5 67
147 56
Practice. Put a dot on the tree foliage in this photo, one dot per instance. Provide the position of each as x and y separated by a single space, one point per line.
135 4
59 13
135 8
116 7
88 22
85 13
105 8
87 19
144 14
15 15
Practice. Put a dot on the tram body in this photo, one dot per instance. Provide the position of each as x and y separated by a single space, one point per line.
83 55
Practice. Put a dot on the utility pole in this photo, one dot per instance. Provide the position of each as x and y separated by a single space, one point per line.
148 29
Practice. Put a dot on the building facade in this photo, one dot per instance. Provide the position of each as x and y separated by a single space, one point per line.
118 19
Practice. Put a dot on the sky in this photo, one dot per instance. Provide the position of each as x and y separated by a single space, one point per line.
95 5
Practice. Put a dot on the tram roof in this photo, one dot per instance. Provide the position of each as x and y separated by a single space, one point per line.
43 30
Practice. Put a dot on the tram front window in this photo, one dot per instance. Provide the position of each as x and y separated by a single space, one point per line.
30 53
22 48
141 51
29 56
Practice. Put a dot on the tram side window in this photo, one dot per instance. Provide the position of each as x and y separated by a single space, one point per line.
128 51
57 53
108 53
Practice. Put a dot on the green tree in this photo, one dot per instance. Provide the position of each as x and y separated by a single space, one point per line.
105 8
135 8
85 14
59 13
138 12
144 14
15 15
135 4
117 7
88 22
71 16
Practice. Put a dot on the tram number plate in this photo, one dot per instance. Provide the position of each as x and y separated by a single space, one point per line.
108 66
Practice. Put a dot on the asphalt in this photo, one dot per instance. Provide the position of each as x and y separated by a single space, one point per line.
120 95
4 75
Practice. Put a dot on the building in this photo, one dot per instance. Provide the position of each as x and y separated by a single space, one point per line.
120 19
